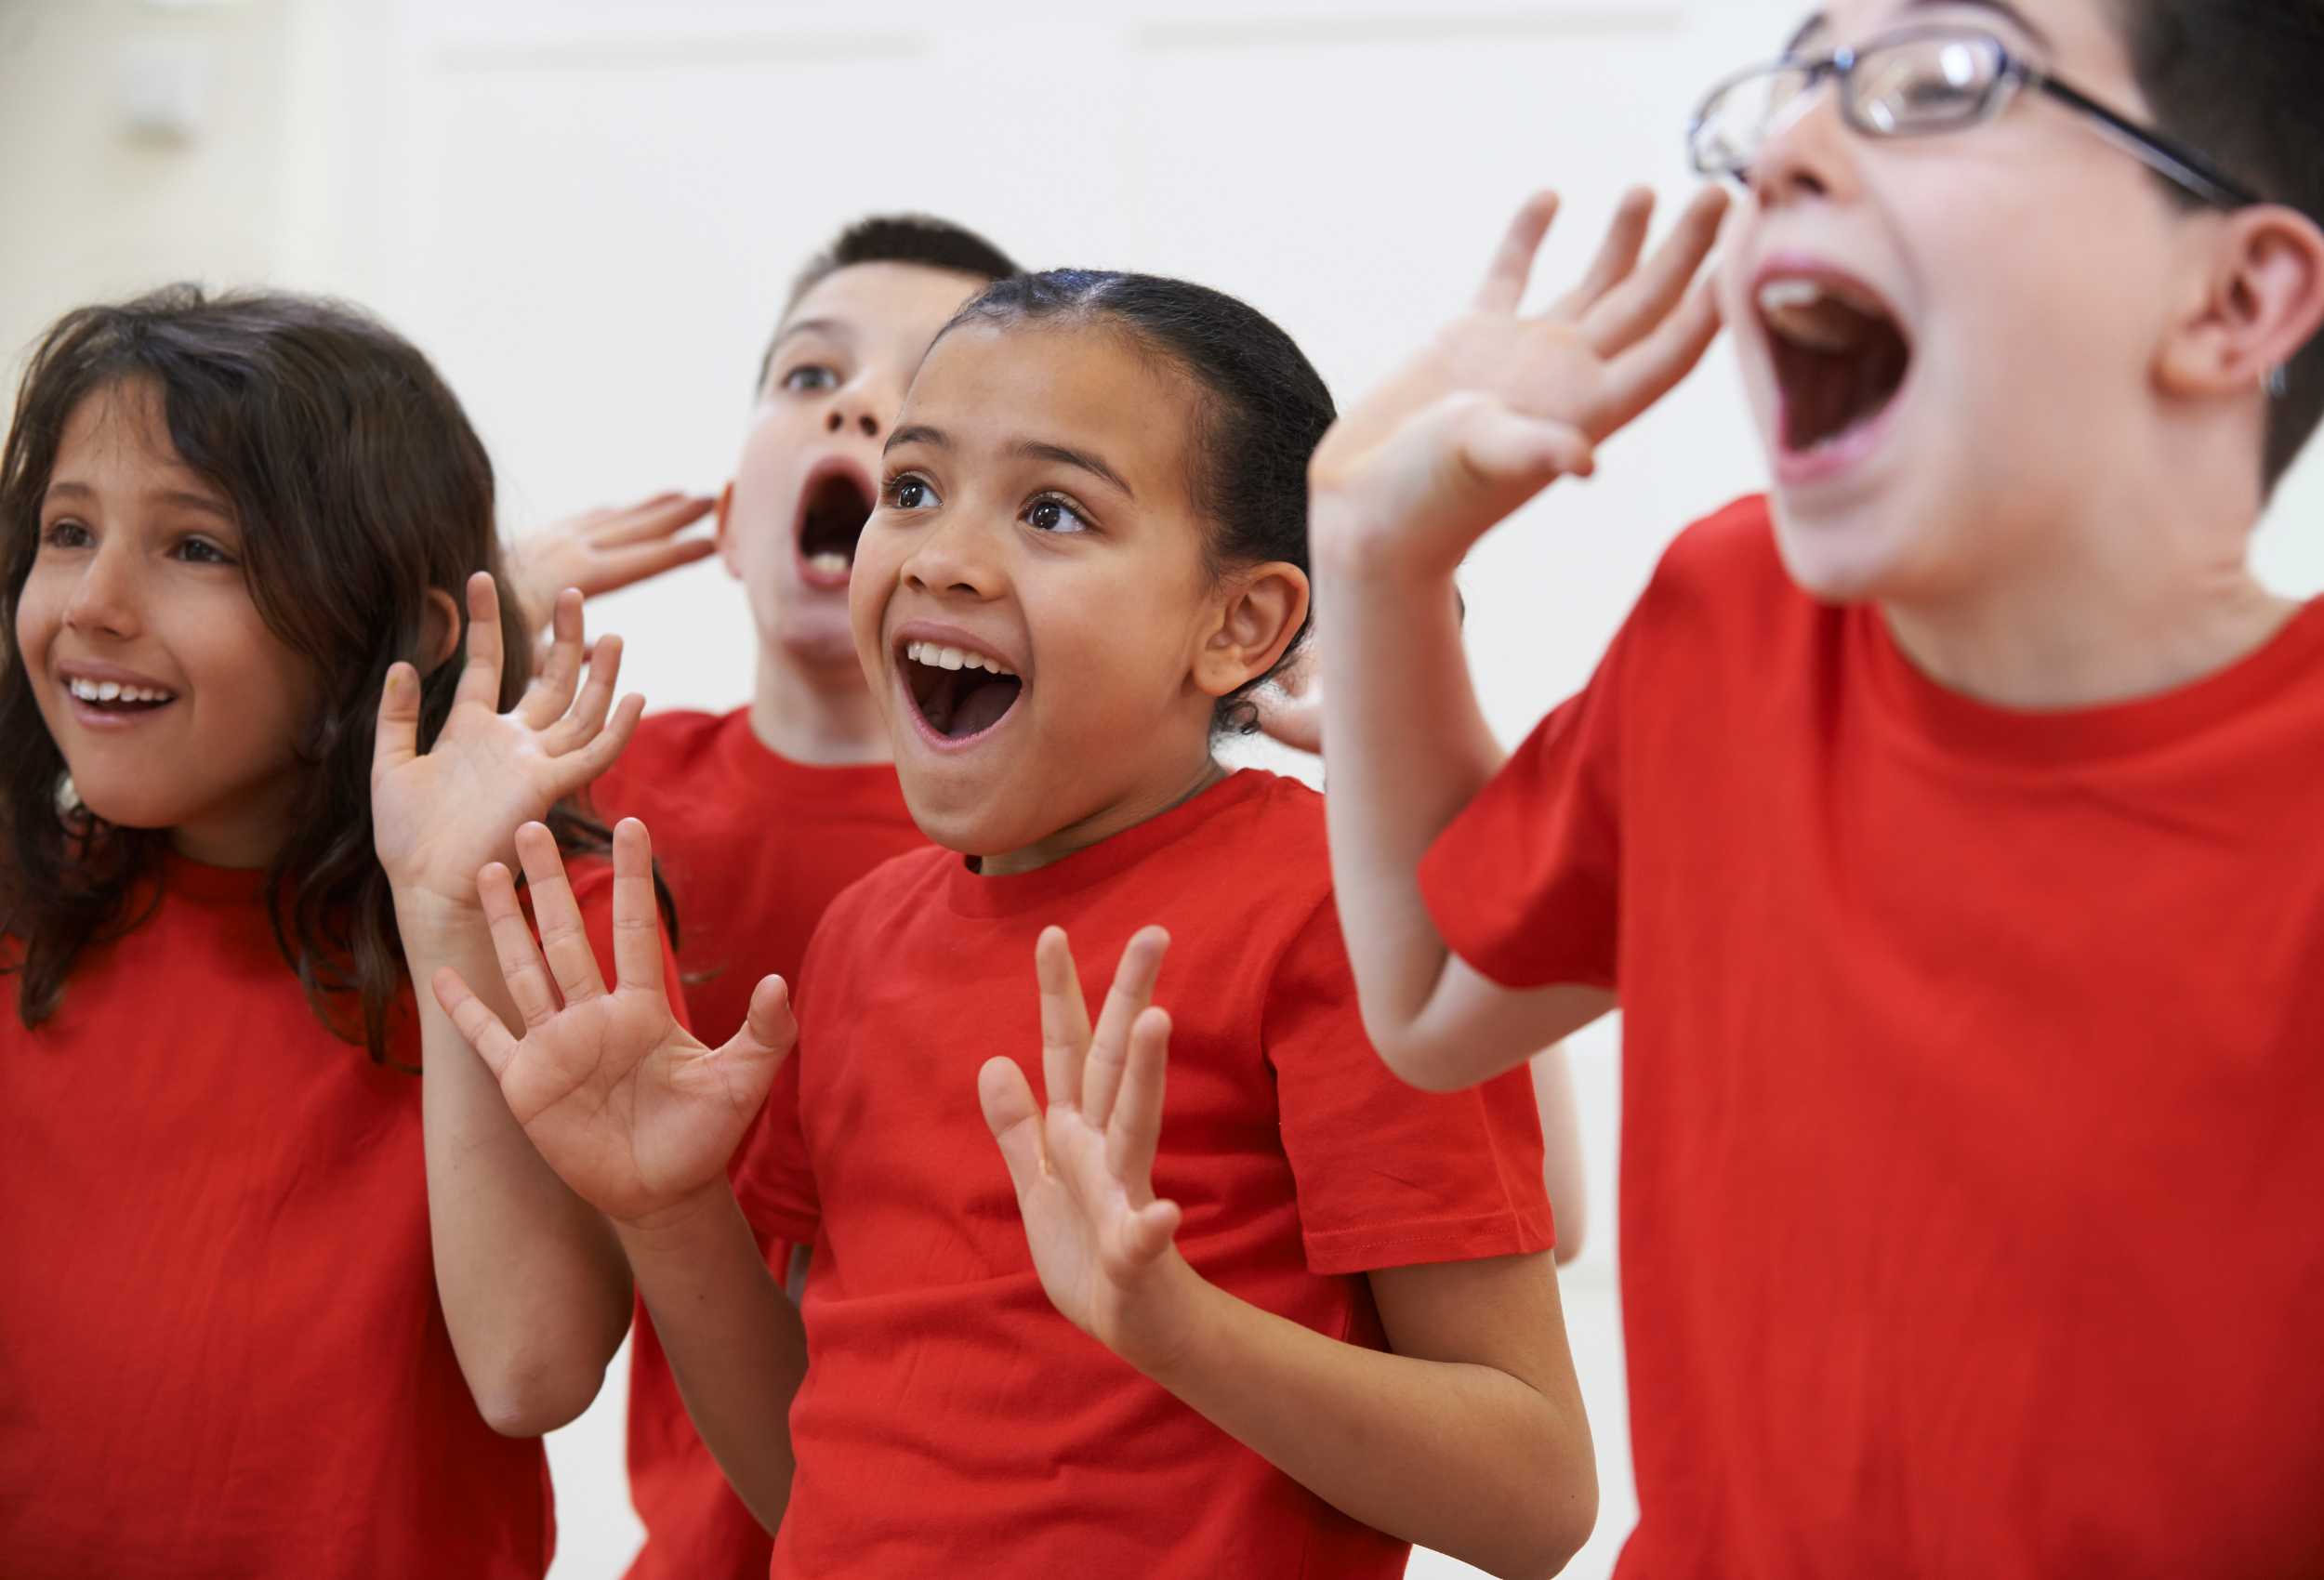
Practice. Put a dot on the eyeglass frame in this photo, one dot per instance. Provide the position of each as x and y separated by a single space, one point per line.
2181 164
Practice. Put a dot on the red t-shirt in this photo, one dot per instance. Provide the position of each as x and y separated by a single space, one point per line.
952 1422
220 1347
753 847
1973 1160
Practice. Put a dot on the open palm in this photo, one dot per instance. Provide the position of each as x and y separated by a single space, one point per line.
633 1112
438 816
1083 1167
1499 404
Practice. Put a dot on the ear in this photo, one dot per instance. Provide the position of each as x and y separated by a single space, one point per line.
728 554
1259 612
2262 302
439 631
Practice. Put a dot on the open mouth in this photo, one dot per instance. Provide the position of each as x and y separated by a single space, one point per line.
960 693
111 696
831 519
1839 358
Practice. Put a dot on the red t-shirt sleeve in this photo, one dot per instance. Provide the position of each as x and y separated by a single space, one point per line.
1524 884
1388 1175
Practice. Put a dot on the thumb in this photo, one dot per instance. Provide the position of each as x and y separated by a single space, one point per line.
1505 451
1015 1121
396 741
758 1051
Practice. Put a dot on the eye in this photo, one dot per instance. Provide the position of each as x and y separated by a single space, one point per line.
810 378
201 551
67 533
1049 514
911 491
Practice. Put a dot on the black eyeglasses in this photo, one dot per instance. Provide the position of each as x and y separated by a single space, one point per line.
1924 81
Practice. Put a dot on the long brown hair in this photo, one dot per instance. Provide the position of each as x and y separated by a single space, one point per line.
359 486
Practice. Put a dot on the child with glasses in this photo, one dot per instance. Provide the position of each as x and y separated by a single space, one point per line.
1942 822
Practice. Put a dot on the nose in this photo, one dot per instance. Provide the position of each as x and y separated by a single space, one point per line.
104 603
865 406
958 555
1809 152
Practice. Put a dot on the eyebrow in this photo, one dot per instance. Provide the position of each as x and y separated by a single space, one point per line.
837 328
1031 449
1821 21
68 489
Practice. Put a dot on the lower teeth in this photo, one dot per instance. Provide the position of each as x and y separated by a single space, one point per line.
827 564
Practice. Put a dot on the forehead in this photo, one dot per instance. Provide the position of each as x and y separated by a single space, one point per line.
2064 33
1085 386
872 299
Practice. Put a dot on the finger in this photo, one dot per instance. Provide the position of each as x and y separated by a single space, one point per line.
1642 303
1109 1047
395 741
586 766
475 1020
1504 284
756 1051
479 676
1015 1120
564 939
637 920
1135 1130
625 566
1618 254
521 968
659 517
551 692
587 715
1065 1017
1648 371
1148 1233
1509 452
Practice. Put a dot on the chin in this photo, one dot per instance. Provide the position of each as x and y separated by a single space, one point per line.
1839 557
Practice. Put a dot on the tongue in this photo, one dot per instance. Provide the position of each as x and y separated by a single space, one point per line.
982 706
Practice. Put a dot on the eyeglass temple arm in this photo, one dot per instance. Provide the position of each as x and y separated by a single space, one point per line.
2167 156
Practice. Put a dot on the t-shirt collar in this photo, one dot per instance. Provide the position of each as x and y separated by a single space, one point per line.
972 894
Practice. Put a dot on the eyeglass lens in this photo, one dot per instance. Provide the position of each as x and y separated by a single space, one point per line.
1900 87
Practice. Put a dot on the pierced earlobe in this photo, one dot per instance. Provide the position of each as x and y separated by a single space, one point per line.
2277 383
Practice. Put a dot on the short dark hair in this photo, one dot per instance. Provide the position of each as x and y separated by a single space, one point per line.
1263 409
2243 80
359 486
919 239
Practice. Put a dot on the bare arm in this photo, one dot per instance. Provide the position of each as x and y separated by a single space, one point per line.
1470 1437
639 1119
1483 418
535 1291
1561 1149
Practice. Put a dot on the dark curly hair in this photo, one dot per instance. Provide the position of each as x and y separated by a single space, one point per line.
359 486
1261 411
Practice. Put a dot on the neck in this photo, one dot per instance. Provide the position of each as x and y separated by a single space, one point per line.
247 838
1128 813
2126 591
820 714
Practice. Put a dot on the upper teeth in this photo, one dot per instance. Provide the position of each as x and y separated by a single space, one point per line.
944 657
113 690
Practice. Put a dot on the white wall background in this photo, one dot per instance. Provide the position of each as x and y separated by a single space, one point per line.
587 211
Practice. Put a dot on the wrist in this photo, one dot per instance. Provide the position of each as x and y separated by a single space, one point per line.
680 1227
1185 1317
1349 543
422 912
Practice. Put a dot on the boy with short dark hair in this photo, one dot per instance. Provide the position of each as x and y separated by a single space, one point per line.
1944 824
793 795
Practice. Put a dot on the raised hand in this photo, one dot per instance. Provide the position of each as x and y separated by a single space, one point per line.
634 1112
1291 706
1499 405
602 549
438 817
1084 1166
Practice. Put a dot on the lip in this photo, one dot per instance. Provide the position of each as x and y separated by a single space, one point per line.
950 635
1853 448
829 467
92 718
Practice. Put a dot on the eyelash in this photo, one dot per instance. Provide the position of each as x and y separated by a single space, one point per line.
891 493
70 533
791 380
1062 503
